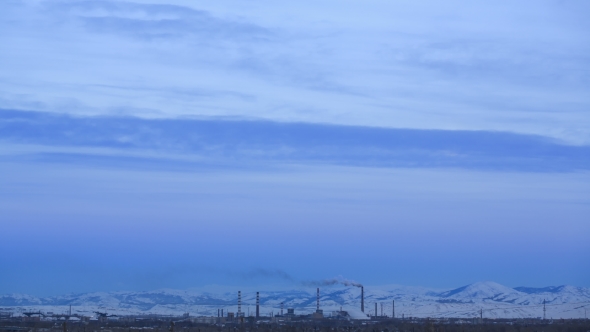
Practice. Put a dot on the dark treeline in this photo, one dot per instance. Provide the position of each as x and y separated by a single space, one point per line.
424 325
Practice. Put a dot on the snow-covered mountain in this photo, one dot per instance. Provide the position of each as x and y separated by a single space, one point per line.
481 291
494 299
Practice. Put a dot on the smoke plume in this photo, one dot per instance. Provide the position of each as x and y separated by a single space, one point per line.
264 273
280 274
334 281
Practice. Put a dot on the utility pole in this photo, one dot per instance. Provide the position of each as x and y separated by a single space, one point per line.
239 303
257 305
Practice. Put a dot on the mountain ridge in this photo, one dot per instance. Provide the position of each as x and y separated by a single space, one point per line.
497 300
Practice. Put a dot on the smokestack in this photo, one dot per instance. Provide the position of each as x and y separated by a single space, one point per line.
362 299
239 303
318 301
375 309
393 313
257 304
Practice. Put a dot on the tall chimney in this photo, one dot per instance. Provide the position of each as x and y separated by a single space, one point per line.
257 304
362 299
393 313
375 309
239 303
318 301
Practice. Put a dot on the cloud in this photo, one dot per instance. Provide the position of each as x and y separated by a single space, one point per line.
155 21
402 127
484 66
207 142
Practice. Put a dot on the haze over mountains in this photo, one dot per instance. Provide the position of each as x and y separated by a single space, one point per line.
496 301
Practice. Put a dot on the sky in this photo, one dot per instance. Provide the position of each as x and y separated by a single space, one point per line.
178 144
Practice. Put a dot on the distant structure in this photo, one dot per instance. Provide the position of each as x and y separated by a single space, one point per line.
257 304
318 301
239 303
362 299
319 313
290 312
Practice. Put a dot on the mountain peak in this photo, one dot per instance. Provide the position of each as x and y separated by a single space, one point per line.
478 290
537 290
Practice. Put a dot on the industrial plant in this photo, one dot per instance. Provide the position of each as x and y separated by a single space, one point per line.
229 317
278 320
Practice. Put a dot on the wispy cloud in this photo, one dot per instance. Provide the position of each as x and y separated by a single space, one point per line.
257 143
155 21
483 66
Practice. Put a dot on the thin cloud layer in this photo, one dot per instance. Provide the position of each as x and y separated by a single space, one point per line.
154 21
478 66
184 143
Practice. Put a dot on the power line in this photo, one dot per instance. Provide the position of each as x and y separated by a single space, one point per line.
475 311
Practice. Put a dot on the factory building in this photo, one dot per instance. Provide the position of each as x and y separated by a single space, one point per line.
240 316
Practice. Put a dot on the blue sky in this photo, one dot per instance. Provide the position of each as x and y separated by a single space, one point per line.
150 144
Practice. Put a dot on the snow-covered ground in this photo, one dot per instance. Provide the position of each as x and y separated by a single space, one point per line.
495 300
